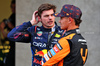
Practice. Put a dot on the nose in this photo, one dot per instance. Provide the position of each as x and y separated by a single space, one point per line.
50 17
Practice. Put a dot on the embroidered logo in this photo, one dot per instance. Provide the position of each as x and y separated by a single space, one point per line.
39 33
57 35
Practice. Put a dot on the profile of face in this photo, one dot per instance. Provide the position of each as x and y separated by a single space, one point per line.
64 23
47 18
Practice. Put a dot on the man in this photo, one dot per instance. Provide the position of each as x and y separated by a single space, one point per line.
8 47
10 59
4 43
42 38
70 50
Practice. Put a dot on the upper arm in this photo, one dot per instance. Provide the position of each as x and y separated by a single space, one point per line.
57 53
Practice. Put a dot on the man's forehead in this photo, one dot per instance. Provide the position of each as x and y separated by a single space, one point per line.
47 12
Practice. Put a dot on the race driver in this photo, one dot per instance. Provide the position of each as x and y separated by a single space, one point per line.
70 50
41 38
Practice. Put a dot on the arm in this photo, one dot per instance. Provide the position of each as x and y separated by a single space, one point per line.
57 53
20 33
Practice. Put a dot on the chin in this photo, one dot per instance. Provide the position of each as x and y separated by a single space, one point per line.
51 25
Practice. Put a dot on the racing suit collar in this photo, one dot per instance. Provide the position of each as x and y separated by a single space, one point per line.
45 29
72 31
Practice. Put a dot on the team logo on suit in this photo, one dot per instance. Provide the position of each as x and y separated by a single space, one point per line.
39 33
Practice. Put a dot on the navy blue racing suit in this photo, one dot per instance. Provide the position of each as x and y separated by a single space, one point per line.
38 37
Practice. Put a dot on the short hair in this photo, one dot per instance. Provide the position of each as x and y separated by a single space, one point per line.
44 7
78 21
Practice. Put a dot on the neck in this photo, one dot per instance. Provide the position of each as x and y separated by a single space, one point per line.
72 28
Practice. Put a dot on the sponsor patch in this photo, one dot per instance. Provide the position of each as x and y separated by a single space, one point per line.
37 38
52 52
39 33
59 46
49 54
40 53
78 31
60 31
56 49
39 44
57 35
81 40
46 57
44 60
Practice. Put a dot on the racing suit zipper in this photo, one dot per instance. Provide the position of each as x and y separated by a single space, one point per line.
51 37
50 40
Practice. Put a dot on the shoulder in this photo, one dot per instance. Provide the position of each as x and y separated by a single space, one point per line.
78 40
75 38
34 28
78 37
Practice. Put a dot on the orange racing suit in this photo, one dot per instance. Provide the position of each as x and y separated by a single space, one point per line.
70 50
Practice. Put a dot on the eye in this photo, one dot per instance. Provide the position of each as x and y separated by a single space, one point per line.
52 15
46 15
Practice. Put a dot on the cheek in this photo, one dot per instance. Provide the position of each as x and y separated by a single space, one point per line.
43 19
63 25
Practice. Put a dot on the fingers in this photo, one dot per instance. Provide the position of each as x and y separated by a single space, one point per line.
34 20
35 14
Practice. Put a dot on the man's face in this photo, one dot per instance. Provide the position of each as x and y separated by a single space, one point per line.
64 23
47 18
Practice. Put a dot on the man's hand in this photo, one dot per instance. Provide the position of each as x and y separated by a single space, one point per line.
34 20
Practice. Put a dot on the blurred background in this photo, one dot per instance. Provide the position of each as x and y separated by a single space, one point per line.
5 10
7 23
90 27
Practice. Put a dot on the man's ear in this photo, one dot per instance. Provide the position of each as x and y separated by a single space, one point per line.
70 19
39 18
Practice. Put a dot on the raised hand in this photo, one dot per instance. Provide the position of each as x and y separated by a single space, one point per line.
35 18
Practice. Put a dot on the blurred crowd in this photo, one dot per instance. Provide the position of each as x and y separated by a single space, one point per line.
7 48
